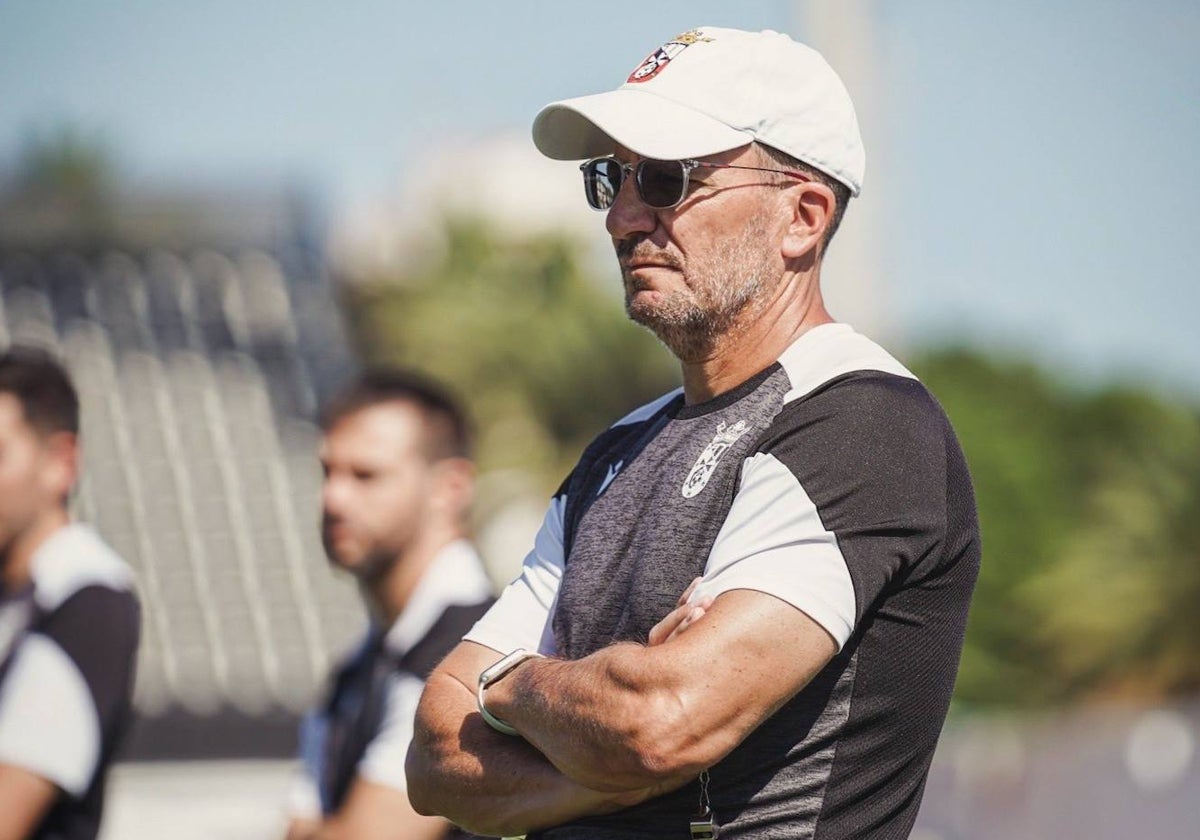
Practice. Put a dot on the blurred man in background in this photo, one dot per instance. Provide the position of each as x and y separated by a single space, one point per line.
68 617
808 481
397 491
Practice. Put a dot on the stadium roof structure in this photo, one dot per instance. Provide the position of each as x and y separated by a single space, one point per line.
200 355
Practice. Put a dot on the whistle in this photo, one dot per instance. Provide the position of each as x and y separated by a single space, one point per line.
703 827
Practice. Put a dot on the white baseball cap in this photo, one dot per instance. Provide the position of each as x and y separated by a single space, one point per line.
709 90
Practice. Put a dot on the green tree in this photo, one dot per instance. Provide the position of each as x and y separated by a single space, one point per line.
1121 606
65 180
1089 508
68 163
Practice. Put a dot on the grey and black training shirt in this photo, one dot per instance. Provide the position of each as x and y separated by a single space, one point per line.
831 480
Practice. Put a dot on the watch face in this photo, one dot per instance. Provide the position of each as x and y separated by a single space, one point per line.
494 672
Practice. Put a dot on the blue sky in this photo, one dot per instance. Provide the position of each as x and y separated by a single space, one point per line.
1040 160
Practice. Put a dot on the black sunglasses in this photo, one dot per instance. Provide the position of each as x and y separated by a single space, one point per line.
661 184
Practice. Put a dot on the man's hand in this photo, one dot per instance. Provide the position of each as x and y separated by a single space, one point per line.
630 716
490 783
683 616
371 812
302 828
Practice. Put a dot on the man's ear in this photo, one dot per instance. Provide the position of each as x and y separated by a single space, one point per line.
454 485
812 207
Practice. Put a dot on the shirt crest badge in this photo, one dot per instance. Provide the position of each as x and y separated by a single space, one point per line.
706 464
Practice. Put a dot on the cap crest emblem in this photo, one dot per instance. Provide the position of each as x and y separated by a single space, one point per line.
661 57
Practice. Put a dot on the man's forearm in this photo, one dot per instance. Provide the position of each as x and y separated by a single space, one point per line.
25 798
489 783
605 721
629 716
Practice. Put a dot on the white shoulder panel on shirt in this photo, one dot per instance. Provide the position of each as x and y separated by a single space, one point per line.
455 577
521 616
832 350
48 722
72 558
773 541
648 410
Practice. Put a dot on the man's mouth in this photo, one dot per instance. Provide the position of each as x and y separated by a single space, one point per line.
637 254
337 530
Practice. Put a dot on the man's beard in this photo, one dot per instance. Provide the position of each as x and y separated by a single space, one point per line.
368 565
719 295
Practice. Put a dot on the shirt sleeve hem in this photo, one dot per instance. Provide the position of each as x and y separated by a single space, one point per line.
821 610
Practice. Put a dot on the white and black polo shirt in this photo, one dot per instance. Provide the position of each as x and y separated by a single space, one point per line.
68 644
831 480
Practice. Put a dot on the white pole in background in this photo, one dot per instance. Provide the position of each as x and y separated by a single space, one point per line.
852 279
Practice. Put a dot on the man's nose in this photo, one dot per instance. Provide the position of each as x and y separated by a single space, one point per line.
333 496
629 215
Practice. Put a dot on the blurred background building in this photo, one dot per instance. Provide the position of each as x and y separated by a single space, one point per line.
214 237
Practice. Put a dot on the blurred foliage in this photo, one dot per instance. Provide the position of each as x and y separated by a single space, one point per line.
541 349
1090 511
66 162
1089 501
66 174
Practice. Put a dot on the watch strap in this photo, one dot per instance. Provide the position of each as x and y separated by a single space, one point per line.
492 674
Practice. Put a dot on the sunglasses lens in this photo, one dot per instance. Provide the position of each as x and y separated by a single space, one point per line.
661 183
602 182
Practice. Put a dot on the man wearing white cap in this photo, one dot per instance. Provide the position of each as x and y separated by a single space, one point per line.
744 612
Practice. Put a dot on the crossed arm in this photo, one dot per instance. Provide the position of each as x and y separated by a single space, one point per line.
25 799
625 724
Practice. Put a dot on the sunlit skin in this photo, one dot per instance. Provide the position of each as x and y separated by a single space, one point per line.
729 278
387 509
37 471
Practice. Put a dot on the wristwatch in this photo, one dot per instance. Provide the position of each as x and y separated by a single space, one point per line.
494 673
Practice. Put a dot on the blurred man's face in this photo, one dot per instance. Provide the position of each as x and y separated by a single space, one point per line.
377 487
33 474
